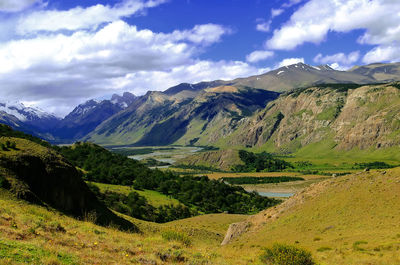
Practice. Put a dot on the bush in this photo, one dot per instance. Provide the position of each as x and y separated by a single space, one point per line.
280 254
176 236
3 182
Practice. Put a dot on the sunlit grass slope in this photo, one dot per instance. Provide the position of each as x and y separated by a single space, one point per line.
353 219
31 234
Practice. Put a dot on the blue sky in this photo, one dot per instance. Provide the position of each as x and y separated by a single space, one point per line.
56 54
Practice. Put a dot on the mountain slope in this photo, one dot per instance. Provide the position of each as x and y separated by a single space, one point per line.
381 72
87 116
301 75
193 87
184 118
351 219
331 118
207 112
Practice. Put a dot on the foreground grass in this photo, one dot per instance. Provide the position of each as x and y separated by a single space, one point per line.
32 234
347 220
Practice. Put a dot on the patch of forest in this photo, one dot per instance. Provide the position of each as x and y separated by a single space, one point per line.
260 162
200 193
138 207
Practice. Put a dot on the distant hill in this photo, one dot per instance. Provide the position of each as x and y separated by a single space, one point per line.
381 72
301 75
220 159
326 120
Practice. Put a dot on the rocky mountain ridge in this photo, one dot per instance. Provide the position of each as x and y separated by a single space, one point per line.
342 117
187 114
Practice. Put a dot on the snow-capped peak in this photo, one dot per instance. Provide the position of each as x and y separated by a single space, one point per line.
23 113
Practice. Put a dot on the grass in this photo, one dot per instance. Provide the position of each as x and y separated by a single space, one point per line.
355 216
177 236
26 236
355 220
153 197
29 253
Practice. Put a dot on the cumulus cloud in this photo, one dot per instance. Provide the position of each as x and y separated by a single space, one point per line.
81 18
202 34
264 26
388 53
276 12
339 60
257 56
59 92
289 61
16 5
57 71
313 21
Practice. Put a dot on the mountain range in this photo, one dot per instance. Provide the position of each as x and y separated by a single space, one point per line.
214 112
82 120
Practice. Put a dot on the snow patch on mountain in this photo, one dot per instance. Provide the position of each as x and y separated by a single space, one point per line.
23 113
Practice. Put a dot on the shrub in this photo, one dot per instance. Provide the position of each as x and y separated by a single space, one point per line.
176 236
3 182
280 254
4 147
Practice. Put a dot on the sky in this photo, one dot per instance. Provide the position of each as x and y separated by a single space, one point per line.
57 54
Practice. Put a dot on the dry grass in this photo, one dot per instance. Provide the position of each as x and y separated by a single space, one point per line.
348 220
35 235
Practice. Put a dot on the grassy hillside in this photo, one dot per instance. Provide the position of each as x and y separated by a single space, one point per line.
40 175
31 234
221 159
352 219
347 220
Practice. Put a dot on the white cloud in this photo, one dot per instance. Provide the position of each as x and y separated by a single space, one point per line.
257 56
58 71
339 60
313 21
276 12
16 5
61 92
202 34
383 53
289 61
264 26
196 71
81 18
